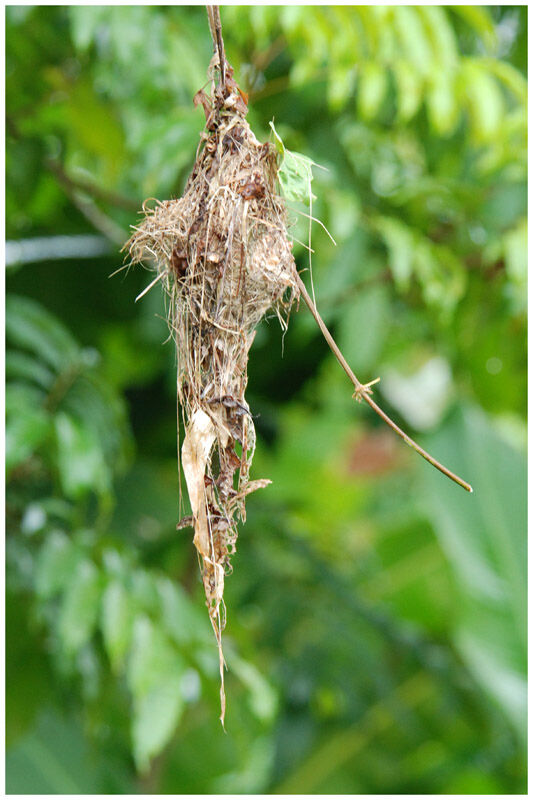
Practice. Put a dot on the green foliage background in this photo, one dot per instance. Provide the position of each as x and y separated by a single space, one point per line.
376 633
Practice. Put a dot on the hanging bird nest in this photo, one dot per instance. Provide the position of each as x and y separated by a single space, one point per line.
224 257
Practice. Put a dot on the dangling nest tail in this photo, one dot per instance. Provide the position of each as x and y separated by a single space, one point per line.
223 255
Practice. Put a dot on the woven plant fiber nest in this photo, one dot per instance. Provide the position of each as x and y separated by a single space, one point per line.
225 260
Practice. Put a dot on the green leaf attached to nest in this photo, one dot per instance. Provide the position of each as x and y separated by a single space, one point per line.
295 172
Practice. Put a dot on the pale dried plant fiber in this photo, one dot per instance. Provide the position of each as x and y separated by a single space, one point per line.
223 255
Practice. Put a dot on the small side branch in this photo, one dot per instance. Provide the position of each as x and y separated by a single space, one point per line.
362 391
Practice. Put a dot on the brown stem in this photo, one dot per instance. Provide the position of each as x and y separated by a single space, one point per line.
60 387
262 60
112 198
362 391
215 25
87 186
107 226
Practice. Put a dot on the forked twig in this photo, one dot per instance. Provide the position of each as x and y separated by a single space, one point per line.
362 391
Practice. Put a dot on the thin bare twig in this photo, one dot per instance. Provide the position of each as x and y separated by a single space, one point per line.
362 391
215 26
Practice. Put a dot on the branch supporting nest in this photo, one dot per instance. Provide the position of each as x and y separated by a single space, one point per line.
215 26
363 392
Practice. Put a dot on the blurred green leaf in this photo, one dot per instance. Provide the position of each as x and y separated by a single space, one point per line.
516 259
85 23
99 411
485 101
27 430
479 19
371 89
116 622
443 109
80 606
50 760
181 617
143 589
155 717
441 34
154 676
30 326
56 758
400 243
408 89
509 76
24 367
414 41
363 328
340 86
56 564
484 537
440 274
95 127
263 700
80 460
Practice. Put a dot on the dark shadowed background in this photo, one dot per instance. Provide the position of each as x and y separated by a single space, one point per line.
376 613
